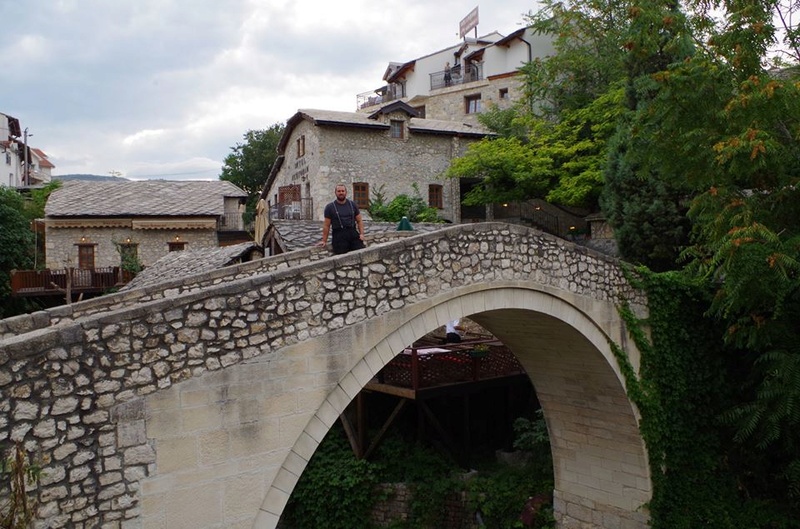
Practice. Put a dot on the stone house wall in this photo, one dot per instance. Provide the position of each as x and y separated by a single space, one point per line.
61 244
450 103
350 155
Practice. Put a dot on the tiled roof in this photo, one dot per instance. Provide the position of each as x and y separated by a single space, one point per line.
177 265
297 234
80 198
43 160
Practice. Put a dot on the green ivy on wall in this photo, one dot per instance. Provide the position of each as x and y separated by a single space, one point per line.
688 379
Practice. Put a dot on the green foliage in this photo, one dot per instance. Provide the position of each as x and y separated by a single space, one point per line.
17 474
588 39
129 261
689 380
16 247
647 212
335 490
34 208
413 207
500 496
249 163
510 171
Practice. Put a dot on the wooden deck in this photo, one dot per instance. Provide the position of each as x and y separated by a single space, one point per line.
29 283
426 372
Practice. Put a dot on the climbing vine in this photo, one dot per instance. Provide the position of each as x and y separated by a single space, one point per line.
688 379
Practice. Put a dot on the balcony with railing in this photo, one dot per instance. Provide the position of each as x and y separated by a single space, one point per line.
234 222
456 75
384 94
74 280
302 209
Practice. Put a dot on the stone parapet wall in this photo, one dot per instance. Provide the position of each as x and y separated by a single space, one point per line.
29 322
72 392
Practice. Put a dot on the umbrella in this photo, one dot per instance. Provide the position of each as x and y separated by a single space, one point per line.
261 222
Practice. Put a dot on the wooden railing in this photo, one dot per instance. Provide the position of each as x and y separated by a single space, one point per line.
78 280
427 367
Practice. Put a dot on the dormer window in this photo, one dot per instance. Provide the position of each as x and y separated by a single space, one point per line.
396 128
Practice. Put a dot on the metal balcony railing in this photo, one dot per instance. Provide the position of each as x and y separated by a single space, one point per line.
302 209
234 222
458 75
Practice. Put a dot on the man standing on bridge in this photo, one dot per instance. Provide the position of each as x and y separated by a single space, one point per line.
343 216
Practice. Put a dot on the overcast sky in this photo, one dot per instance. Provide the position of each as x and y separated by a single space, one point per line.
165 88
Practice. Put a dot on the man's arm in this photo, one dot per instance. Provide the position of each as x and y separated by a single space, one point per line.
326 227
360 226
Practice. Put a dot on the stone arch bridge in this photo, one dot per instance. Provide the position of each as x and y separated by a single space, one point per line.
197 403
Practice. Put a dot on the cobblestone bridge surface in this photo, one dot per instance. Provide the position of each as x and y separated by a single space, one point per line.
101 391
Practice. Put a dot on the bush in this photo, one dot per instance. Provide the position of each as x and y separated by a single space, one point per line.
401 206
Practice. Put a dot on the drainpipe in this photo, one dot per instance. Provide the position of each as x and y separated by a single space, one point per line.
530 59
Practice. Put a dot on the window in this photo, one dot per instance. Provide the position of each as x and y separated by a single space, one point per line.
504 93
361 194
301 146
472 104
420 111
8 158
396 128
86 256
176 246
435 196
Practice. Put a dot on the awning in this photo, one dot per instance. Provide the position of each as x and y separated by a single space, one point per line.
174 224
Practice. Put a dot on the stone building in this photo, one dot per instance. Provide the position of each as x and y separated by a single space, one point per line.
390 151
460 81
92 224
13 169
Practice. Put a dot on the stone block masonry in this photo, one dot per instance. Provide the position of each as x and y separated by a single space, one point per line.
153 390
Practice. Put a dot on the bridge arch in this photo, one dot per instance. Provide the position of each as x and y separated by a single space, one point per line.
600 461
196 403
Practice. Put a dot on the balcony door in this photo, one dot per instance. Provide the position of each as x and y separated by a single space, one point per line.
86 256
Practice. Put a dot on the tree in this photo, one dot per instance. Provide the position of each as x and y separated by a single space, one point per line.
553 145
249 163
16 248
720 123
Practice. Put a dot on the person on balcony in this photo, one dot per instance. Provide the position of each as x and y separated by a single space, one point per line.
343 217
448 78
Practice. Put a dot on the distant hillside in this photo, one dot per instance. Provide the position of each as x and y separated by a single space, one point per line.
92 177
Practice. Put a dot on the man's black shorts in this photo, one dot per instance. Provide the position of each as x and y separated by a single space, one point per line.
346 240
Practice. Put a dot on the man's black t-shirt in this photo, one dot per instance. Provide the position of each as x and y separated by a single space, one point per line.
342 215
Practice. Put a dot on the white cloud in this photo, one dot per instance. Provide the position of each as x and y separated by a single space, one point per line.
164 88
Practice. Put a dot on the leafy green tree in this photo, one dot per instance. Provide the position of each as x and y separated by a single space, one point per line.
553 146
719 122
249 163
644 202
588 40
16 248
